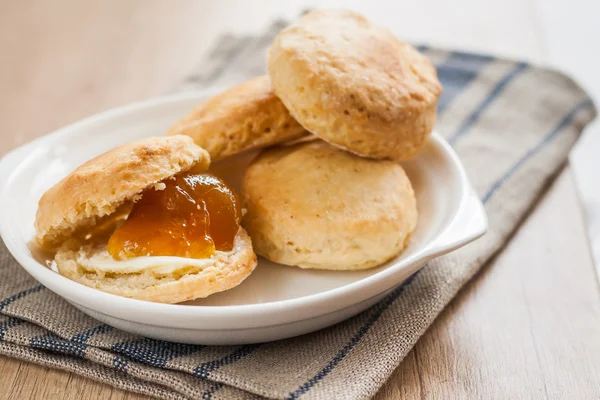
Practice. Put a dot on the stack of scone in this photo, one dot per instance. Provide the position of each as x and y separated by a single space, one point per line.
344 101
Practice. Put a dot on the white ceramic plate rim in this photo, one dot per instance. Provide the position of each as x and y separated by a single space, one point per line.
246 315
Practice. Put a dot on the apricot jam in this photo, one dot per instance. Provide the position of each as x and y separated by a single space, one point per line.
194 215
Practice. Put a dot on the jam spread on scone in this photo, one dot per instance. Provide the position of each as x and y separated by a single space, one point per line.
192 216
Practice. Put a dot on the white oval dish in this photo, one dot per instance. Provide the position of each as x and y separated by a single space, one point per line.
276 301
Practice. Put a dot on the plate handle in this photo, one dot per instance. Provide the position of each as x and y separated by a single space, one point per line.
469 224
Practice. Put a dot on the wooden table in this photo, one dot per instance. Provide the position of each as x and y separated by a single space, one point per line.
527 327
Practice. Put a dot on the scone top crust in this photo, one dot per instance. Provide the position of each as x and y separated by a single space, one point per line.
316 206
355 84
245 117
98 187
298 182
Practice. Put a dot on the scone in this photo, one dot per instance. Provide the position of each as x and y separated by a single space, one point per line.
355 85
313 205
136 222
247 116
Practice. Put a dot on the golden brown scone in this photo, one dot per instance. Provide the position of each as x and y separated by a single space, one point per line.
80 212
355 85
247 116
316 206
98 187
171 280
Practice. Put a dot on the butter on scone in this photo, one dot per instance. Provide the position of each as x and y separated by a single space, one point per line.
247 116
313 205
136 222
354 84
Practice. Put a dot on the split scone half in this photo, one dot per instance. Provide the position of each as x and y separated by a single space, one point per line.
118 224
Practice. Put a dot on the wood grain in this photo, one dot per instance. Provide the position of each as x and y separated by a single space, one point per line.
20 380
526 327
